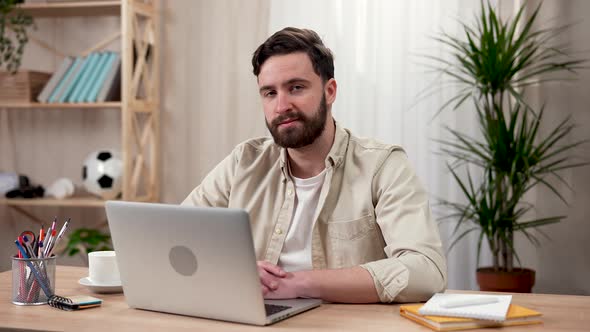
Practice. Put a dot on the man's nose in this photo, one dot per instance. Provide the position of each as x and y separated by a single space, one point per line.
283 103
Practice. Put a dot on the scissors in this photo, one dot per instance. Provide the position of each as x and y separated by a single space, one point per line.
27 244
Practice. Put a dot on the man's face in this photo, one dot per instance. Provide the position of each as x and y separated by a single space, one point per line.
293 99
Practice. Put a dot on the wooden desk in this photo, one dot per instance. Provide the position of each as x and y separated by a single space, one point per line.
561 313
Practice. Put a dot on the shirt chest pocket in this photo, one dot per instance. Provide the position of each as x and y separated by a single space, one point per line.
352 242
351 229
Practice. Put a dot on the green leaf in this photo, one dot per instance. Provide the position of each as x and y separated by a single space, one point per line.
537 222
89 239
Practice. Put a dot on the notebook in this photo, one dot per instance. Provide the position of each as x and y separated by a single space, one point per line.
517 315
492 311
75 302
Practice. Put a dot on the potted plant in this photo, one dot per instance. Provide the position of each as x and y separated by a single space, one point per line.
83 241
11 17
494 65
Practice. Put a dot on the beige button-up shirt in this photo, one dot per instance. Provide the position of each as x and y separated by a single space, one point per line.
372 211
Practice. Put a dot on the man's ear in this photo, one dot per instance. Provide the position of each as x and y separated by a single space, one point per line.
330 89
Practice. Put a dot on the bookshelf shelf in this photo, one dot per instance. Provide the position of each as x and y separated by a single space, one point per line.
69 202
75 8
113 104
77 201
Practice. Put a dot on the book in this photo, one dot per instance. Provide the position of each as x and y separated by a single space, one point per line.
92 76
100 77
54 80
76 302
66 78
517 315
78 83
492 307
71 80
110 89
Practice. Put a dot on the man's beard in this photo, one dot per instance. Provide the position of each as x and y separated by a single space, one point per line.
299 136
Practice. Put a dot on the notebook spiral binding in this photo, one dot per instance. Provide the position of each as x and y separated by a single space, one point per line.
60 302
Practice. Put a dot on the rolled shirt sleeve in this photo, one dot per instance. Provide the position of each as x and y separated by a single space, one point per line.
415 268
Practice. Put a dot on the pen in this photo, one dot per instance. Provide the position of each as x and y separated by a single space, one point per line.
39 240
48 244
41 249
464 302
46 236
29 248
22 273
63 229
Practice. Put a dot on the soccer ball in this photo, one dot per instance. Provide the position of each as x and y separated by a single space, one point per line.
102 173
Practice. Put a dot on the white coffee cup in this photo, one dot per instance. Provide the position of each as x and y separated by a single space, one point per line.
103 270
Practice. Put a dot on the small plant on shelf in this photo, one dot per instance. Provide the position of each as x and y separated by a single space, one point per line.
13 34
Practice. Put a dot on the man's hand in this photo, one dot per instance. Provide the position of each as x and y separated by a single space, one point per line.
348 285
289 287
270 276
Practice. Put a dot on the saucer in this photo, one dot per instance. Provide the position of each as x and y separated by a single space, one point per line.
96 288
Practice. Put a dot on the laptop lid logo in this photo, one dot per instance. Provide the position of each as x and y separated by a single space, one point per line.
183 260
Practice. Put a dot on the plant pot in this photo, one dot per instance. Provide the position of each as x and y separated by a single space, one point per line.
517 281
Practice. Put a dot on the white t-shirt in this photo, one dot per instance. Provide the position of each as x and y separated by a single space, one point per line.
296 253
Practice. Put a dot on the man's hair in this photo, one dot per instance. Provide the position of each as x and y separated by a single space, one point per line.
293 40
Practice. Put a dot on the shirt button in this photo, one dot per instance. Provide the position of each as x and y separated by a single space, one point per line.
289 192
278 231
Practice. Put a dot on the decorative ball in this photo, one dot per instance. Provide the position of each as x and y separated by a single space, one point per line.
102 173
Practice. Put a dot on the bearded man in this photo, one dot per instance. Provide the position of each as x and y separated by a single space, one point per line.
333 216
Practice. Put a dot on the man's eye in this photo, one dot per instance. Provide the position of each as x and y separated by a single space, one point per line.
297 87
270 93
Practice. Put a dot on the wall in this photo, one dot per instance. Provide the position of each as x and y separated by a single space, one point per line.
210 97
562 263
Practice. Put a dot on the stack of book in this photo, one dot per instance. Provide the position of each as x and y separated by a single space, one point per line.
90 79
450 312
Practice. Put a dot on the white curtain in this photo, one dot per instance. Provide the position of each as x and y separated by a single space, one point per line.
379 66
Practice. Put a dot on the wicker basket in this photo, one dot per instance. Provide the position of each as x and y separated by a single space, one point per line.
24 86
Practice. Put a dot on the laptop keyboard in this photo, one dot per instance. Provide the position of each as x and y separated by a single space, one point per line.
272 309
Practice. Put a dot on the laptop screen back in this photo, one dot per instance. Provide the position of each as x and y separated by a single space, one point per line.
187 260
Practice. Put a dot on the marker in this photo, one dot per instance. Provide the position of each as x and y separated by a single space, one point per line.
464 302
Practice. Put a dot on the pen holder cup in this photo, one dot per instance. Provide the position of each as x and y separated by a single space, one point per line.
33 280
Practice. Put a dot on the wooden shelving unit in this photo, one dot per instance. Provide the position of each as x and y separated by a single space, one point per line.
74 8
110 104
71 202
139 105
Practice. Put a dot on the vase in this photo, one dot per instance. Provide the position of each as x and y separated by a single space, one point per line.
520 280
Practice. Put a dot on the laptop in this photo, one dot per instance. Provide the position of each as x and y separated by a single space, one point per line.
192 261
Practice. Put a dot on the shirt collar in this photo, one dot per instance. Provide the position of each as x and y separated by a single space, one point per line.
335 156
